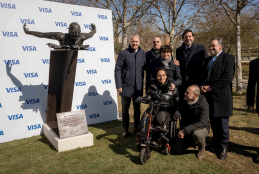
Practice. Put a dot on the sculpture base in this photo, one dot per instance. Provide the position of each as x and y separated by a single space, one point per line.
68 143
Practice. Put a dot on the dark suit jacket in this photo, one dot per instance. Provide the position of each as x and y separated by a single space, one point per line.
253 79
219 77
191 69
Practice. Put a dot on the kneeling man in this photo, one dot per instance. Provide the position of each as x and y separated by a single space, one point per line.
194 122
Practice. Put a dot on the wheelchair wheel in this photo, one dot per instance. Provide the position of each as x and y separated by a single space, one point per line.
167 149
143 155
173 129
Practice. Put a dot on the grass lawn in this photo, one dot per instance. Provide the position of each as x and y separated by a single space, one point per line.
112 153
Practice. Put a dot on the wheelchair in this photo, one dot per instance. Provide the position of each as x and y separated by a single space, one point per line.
149 132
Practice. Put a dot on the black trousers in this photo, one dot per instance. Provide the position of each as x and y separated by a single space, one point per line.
125 104
220 128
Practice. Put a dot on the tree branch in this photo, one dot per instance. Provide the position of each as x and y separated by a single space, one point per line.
221 2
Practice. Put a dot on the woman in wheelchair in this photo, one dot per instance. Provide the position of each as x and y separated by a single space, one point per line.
160 91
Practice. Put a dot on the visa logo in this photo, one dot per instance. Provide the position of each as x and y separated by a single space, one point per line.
91 49
12 62
106 81
32 127
87 26
46 86
83 106
90 94
107 102
27 21
15 89
32 101
45 61
45 10
92 71
105 59
30 75
15 117
0 105
80 83
1 133
29 48
9 34
94 116
9 6
102 16
80 60
102 38
61 24
74 13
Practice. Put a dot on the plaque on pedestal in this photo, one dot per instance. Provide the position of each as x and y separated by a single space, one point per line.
71 124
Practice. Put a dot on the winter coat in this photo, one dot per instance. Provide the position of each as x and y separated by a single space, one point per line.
129 72
150 59
160 92
219 77
196 116
174 72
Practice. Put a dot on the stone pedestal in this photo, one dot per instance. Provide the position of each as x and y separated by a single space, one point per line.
68 143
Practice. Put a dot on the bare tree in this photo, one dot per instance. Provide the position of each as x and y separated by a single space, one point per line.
230 7
176 15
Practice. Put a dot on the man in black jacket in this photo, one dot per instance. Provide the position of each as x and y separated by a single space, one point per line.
129 74
151 56
194 116
252 81
217 83
190 56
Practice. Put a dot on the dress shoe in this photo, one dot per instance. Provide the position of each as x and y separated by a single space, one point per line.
201 153
125 134
223 154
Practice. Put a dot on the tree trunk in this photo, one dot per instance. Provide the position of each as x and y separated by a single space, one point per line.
238 54
124 26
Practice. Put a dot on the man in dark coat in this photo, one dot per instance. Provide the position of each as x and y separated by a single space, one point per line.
218 76
151 56
129 74
195 121
190 56
252 81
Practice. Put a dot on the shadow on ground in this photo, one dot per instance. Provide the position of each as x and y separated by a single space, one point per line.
119 145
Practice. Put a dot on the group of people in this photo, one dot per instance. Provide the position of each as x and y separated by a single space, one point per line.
198 86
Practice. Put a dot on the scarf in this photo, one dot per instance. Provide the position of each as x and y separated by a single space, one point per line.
165 62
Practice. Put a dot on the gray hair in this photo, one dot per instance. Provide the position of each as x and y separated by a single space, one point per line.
134 36
196 89
157 37
220 41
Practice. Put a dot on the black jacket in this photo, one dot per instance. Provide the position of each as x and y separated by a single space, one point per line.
150 59
160 92
252 81
174 71
191 69
196 116
219 77
129 72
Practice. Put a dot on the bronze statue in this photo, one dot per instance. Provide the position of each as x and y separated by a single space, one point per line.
72 40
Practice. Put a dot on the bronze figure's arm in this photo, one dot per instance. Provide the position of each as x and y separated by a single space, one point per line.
50 35
90 34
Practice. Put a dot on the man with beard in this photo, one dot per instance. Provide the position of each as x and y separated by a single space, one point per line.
190 56
151 56
73 39
217 83
195 124
129 74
